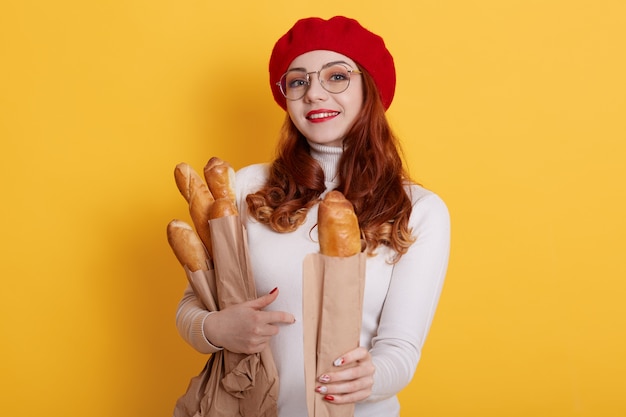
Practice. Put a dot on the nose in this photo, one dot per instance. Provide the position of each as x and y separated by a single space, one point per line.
315 92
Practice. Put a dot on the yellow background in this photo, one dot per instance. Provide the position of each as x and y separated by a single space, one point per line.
513 111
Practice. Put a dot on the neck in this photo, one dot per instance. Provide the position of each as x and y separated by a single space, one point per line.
328 158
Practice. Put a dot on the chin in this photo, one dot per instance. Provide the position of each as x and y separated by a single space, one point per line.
327 142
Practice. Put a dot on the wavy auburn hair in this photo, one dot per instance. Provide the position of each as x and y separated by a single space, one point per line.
371 176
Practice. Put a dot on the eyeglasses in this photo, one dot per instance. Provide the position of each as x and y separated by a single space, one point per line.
334 77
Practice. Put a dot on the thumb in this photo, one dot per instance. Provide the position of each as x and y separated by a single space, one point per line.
263 301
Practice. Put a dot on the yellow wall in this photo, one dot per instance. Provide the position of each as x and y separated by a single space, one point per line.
513 111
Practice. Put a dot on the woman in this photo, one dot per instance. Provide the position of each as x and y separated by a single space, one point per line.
335 79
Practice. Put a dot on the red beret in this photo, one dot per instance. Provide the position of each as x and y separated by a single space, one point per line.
339 34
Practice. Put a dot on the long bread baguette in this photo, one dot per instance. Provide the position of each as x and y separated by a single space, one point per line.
200 199
220 178
339 233
187 246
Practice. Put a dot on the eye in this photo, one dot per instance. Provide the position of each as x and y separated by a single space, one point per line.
336 74
296 79
297 83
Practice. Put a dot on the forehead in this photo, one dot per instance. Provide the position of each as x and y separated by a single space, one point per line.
314 60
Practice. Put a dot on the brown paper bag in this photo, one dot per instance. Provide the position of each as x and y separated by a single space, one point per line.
203 285
231 384
332 311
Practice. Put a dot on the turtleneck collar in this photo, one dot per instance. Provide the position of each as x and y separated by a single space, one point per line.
328 158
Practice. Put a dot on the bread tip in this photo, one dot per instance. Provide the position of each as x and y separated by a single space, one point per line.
182 166
176 223
334 195
213 162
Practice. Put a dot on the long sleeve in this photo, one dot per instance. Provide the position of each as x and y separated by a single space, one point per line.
190 318
414 290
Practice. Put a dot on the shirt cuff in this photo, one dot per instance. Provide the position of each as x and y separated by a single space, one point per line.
199 330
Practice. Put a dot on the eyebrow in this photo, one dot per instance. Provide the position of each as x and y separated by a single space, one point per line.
325 65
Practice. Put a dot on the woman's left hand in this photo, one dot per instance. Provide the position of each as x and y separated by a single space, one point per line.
351 380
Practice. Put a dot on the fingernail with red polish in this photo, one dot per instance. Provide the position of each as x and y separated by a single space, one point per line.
274 290
324 379
329 398
338 362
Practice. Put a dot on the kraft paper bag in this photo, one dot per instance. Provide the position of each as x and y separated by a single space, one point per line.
332 311
231 384
203 285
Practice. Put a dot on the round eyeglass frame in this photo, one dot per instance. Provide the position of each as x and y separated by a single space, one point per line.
348 68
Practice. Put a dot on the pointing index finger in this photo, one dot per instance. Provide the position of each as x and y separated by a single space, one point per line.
280 317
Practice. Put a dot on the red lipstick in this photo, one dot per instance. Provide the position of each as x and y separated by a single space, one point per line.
321 115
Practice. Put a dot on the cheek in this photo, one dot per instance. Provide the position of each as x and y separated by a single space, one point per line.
295 120
355 106
291 112
298 122
355 99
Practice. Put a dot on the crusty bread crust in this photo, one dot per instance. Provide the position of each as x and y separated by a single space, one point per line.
220 178
200 199
187 246
339 232
222 207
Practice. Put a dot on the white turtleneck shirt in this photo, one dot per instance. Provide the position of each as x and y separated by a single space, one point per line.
399 299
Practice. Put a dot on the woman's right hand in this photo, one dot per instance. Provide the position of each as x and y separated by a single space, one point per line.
245 327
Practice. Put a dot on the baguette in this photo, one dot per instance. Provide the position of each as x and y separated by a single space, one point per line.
220 178
200 199
187 246
339 232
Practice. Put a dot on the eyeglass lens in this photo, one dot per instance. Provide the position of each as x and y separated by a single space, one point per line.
334 79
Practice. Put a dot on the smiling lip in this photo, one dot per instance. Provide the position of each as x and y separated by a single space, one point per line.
318 116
